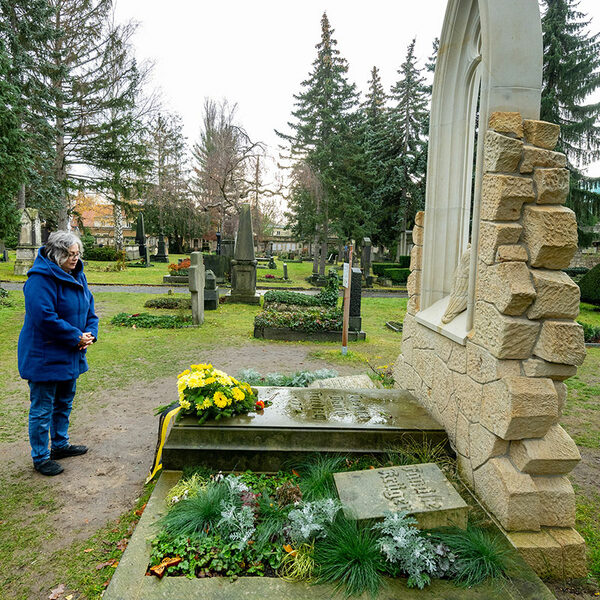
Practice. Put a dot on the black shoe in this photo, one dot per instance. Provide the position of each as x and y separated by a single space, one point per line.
48 467
70 450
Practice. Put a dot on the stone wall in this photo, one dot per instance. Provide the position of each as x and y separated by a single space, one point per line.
500 396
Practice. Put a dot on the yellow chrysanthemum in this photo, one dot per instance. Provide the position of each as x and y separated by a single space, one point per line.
206 404
185 404
220 400
209 380
238 394
183 373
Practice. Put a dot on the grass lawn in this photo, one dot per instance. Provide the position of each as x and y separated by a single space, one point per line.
132 355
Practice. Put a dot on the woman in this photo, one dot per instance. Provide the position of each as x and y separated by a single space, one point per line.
60 324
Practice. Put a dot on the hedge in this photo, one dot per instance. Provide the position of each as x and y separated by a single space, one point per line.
590 286
107 253
591 333
285 297
311 319
397 276
379 267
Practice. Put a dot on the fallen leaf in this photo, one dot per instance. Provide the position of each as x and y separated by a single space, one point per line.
140 510
89 550
122 544
289 550
109 563
168 561
57 592
105 584
295 473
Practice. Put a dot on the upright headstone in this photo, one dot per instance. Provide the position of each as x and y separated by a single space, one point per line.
285 271
218 236
211 291
365 261
30 239
227 247
161 255
355 323
196 285
272 264
140 238
243 265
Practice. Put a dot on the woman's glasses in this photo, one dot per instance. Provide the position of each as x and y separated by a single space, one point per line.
74 254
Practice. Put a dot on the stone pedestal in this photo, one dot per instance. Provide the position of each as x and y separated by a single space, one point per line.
30 240
197 287
162 255
243 265
211 291
285 271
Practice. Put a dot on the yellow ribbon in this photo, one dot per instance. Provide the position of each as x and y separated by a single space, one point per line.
163 425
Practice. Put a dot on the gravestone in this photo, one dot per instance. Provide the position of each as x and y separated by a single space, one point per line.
211 291
422 491
365 262
243 265
220 265
161 255
355 322
227 248
272 264
30 240
196 285
140 239
285 271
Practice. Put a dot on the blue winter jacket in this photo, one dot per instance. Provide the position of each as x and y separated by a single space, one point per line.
59 307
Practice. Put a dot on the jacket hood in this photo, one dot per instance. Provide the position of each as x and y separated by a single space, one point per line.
44 266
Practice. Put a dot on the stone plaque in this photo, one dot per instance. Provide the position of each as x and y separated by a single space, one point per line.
423 491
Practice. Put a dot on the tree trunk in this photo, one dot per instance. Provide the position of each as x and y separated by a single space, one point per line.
21 198
316 247
118 229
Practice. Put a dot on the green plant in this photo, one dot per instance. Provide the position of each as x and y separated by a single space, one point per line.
397 276
310 520
298 564
106 253
182 268
417 452
481 555
297 379
4 297
308 320
591 333
328 296
186 487
316 474
199 515
379 267
286 297
146 321
272 521
349 558
589 285
169 302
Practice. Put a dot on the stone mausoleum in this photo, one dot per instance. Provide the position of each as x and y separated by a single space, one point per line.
490 333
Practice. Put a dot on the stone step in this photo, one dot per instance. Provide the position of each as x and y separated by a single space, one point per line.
302 421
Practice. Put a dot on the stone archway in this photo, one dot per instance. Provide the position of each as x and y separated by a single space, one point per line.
494 375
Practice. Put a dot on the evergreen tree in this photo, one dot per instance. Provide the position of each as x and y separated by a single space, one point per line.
403 192
571 73
324 137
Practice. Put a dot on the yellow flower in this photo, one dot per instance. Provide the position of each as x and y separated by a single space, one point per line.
238 394
201 367
209 380
185 404
221 400
183 373
195 380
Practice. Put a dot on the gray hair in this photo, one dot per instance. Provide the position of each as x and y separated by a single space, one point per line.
58 244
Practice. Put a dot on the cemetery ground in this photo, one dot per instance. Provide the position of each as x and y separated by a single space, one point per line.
72 529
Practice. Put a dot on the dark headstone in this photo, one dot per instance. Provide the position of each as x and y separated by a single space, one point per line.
355 323
205 246
272 264
220 265
227 248
211 291
285 271
140 239
161 255
218 236
365 261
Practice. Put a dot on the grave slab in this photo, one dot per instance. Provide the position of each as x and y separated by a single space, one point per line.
422 491
301 421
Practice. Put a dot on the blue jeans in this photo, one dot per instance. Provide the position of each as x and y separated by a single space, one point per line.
51 403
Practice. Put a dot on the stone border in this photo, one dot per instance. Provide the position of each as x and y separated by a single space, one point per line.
181 279
131 583
293 335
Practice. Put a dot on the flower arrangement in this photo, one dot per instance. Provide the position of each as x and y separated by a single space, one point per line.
212 394
180 269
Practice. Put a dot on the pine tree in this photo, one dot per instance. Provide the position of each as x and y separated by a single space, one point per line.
324 137
405 168
571 73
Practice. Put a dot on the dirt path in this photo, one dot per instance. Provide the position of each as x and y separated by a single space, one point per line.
120 430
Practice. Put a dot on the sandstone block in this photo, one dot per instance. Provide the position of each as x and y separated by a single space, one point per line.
412 308
502 196
462 435
552 185
443 348
493 235
557 501
538 157
561 392
469 395
413 283
536 367
502 154
417 235
423 364
561 342
508 286
420 219
408 327
443 383
557 296
416 258
483 367
515 408
507 122
458 359
550 233
515 252
484 445
423 337
541 133
407 350
448 418
554 454
465 470
504 336
573 551
540 551
510 495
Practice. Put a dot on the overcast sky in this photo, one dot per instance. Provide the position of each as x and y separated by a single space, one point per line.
257 53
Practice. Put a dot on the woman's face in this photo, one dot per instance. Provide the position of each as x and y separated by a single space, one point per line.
72 259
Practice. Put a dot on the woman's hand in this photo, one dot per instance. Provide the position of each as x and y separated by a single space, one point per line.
85 340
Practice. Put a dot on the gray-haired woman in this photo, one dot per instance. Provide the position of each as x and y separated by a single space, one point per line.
60 324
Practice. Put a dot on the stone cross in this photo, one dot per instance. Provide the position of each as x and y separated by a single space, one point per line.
211 291
197 287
